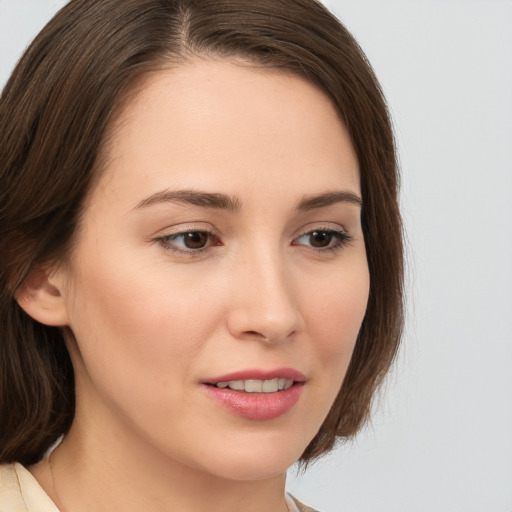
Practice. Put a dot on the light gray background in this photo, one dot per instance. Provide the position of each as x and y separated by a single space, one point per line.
441 438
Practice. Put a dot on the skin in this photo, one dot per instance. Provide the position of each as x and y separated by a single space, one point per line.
150 324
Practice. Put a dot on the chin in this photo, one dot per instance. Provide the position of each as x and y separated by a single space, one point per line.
251 469
256 459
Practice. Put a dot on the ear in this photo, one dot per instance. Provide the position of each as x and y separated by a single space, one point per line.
41 297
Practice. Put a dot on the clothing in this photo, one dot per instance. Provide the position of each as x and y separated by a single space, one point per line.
20 492
301 507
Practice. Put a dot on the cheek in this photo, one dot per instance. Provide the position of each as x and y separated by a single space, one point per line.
137 333
335 315
133 320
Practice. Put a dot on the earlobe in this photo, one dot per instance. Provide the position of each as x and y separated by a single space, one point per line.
42 299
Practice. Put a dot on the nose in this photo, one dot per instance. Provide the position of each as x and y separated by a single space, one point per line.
263 301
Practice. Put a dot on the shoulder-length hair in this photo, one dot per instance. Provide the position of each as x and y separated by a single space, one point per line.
54 115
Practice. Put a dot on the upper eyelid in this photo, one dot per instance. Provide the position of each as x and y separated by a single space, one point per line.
184 227
183 232
324 226
328 230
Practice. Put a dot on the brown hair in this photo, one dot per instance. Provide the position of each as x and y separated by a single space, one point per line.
54 112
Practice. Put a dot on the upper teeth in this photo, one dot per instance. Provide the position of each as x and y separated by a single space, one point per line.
257 386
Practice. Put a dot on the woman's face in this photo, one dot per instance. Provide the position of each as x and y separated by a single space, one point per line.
222 243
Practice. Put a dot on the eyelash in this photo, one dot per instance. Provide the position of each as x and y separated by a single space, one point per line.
165 242
341 239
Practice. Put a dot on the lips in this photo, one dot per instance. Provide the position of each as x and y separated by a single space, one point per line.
257 394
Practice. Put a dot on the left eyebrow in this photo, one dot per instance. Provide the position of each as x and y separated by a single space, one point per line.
194 197
328 199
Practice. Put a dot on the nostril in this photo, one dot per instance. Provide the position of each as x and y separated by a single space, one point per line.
270 337
256 334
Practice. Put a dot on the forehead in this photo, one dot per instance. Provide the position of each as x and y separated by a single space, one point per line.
209 120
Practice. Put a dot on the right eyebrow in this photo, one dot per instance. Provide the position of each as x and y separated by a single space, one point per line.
329 198
194 197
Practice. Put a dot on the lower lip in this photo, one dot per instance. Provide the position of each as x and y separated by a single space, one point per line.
256 406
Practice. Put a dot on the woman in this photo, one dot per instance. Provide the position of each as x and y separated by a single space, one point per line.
201 259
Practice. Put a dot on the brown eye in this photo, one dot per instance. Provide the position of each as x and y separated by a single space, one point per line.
320 239
195 239
189 241
323 239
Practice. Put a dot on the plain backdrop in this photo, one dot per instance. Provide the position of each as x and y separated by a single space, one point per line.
441 437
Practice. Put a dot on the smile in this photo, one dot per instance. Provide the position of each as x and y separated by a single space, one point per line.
257 394
257 386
